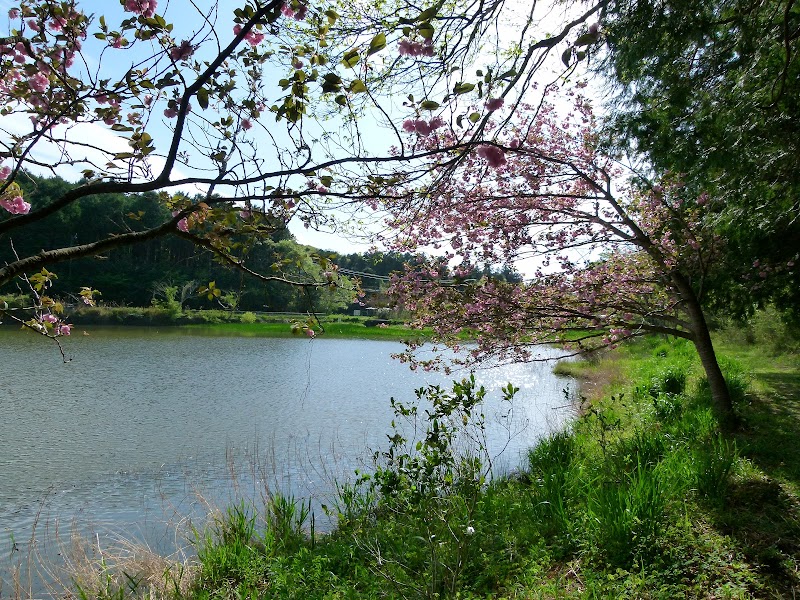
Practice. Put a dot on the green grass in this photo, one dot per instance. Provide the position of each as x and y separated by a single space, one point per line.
642 497
248 324
332 329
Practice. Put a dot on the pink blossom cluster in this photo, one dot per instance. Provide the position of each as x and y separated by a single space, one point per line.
494 103
111 114
47 321
172 110
183 224
253 37
181 52
423 127
493 155
409 48
39 82
146 8
297 14
18 52
15 205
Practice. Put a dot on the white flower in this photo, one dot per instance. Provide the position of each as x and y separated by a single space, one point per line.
469 530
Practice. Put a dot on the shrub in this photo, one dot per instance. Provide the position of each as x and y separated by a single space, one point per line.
248 318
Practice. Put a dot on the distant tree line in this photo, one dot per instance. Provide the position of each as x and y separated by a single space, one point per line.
149 272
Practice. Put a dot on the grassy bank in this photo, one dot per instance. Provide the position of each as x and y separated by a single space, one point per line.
331 328
220 322
641 498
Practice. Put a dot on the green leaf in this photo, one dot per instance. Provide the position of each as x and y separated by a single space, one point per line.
586 39
121 127
358 87
351 58
463 88
377 44
429 105
426 30
332 15
507 75
202 97
429 13
341 100
475 117
331 83
566 55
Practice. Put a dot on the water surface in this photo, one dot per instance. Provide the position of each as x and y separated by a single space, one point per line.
143 422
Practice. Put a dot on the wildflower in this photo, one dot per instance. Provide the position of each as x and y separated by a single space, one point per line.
470 530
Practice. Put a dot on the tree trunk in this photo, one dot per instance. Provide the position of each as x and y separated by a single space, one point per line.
721 402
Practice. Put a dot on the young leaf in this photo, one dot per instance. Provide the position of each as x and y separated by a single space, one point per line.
351 58
202 97
377 44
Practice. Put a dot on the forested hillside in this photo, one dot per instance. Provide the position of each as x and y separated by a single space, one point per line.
141 274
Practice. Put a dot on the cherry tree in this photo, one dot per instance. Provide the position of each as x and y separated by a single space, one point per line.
618 256
239 119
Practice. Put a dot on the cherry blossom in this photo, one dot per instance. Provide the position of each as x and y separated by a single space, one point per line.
408 48
183 224
494 103
252 37
146 8
15 205
493 155
550 198
181 52
298 14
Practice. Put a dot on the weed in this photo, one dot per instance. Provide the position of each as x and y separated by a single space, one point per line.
626 515
714 461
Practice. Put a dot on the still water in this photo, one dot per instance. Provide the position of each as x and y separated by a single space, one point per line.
142 424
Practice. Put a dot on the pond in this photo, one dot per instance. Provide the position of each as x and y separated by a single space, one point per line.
144 426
